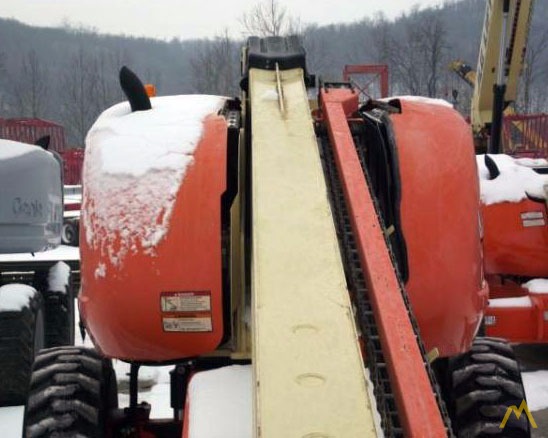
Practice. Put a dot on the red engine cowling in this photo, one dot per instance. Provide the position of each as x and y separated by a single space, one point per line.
516 238
160 302
440 223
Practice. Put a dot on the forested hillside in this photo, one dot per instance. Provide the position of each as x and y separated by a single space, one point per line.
69 75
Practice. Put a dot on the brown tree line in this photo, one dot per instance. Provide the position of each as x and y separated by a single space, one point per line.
70 75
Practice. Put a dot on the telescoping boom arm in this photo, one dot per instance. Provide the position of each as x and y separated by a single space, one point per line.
500 61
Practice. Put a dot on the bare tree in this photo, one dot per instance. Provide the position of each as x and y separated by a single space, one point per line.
407 62
2 75
382 39
534 71
269 18
317 56
434 38
418 56
108 64
383 44
214 66
79 89
30 91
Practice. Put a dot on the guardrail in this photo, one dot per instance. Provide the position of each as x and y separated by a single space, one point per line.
526 135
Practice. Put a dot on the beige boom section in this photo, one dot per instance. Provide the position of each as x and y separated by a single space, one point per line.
308 370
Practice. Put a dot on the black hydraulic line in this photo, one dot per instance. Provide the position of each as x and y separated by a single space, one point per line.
499 89
496 124
133 385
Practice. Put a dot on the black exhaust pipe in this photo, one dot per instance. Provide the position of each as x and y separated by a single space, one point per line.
134 90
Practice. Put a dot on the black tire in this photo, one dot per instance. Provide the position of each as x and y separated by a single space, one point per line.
482 384
70 233
21 338
72 391
59 316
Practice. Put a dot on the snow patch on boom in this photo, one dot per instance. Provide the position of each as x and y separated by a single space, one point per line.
134 166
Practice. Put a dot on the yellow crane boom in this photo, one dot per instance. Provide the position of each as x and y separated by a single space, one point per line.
501 58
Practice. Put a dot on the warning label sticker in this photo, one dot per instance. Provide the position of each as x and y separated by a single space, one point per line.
533 219
187 301
187 324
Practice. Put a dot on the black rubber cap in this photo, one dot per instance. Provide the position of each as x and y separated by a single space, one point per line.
43 142
491 166
134 90
265 53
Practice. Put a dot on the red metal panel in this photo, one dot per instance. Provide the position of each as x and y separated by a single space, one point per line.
514 244
519 324
30 130
415 400
122 309
439 210
73 160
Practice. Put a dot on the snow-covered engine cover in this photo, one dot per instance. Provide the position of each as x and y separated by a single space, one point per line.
151 229
514 210
31 198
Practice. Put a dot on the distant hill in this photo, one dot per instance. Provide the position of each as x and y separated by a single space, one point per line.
69 75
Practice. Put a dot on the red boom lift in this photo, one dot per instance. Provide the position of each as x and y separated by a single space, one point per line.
306 253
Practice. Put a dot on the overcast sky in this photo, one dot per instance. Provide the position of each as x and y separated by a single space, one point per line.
187 19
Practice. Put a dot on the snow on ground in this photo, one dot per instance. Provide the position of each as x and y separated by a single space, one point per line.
155 389
154 383
536 389
11 421
62 252
158 395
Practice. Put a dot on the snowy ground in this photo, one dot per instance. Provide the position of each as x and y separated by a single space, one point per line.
154 384
154 381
